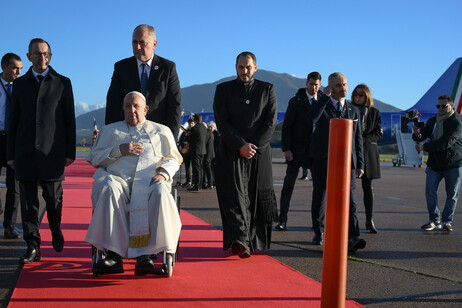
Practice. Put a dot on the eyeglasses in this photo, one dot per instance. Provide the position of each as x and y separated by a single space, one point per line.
442 106
38 54
359 94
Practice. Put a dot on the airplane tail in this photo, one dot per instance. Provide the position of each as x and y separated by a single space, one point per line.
450 83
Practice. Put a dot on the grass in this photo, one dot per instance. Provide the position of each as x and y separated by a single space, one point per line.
83 149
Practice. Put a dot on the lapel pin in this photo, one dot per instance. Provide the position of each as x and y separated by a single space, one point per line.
156 67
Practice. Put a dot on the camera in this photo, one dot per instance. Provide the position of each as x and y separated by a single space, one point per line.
414 116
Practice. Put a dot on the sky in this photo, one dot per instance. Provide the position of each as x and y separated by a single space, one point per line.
398 48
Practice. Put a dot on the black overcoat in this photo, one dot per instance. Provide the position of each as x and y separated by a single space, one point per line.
372 132
245 186
41 131
163 93
197 139
297 129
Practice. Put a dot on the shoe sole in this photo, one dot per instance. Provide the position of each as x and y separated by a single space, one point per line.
245 255
36 259
431 229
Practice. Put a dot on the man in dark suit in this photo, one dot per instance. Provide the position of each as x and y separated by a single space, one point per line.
11 69
197 140
296 136
208 178
321 113
151 75
41 142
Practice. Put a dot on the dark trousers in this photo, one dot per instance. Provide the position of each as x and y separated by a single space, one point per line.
187 165
319 173
287 190
10 215
52 192
368 199
353 229
208 174
318 203
197 169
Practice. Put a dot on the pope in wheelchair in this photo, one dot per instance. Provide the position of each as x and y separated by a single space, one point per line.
134 213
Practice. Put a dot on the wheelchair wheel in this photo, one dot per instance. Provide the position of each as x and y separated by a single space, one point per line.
170 265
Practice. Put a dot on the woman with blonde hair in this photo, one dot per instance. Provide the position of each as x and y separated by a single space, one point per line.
371 125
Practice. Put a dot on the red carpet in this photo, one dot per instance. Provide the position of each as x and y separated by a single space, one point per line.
205 276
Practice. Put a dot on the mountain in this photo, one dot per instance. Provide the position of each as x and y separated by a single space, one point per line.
199 98
82 108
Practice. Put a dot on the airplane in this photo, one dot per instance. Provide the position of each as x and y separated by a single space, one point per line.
450 83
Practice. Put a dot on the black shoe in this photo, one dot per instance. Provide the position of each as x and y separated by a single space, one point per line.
356 243
144 265
238 249
10 234
318 239
186 184
58 242
194 188
210 187
303 178
112 264
282 226
32 254
245 255
371 226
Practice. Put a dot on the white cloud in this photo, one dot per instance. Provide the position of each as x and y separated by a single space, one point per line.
82 107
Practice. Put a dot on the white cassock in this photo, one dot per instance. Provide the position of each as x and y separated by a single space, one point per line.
131 217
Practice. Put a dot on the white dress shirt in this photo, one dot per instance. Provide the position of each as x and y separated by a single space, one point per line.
148 66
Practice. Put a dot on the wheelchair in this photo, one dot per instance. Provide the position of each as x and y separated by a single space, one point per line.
168 262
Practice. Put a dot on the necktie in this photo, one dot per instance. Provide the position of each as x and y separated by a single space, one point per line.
40 78
144 79
8 89
339 109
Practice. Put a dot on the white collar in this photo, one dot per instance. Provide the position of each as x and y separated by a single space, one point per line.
310 97
44 74
149 62
342 102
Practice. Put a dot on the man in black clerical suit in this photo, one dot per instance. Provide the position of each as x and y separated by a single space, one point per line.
197 138
296 136
151 75
321 113
245 112
11 69
41 142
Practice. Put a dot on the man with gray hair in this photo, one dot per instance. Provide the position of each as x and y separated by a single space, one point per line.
334 106
41 143
134 214
149 74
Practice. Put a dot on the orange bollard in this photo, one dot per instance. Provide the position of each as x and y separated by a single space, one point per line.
334 264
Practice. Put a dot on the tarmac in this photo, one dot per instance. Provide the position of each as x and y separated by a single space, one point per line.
401 266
